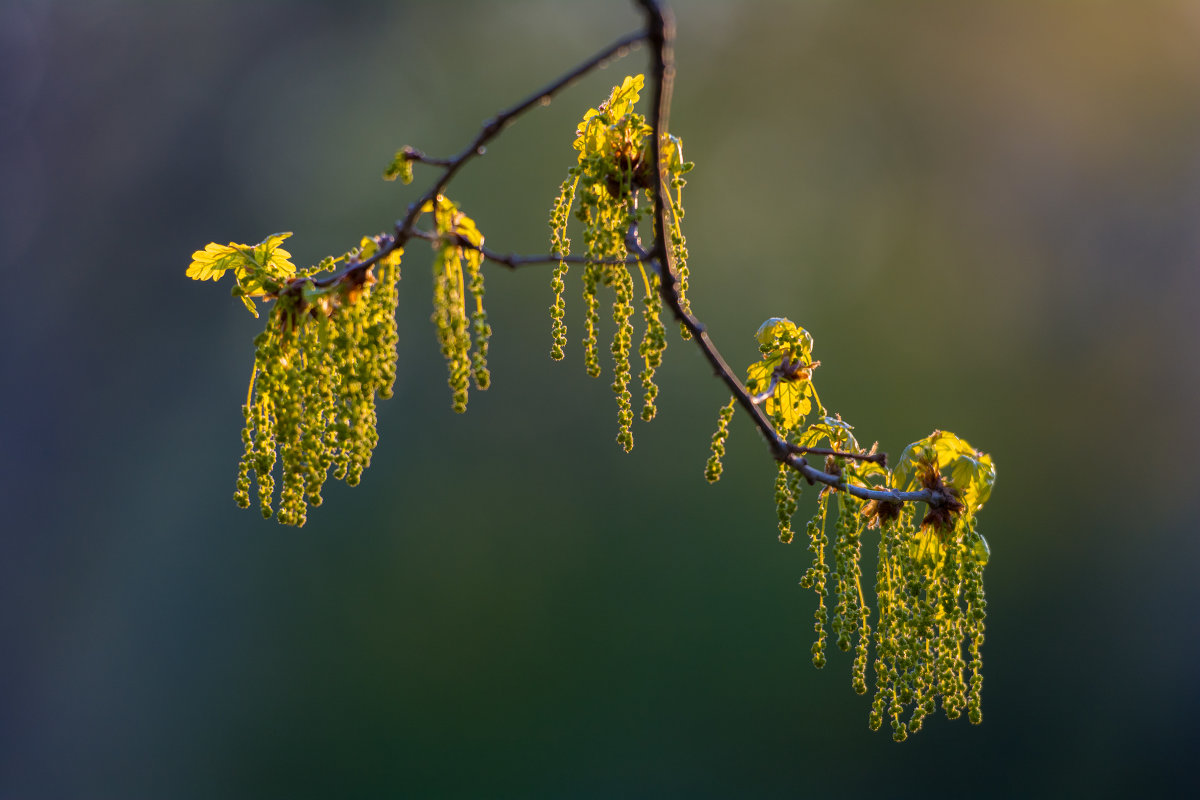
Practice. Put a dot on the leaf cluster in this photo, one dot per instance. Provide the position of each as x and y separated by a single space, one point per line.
260 270
329 347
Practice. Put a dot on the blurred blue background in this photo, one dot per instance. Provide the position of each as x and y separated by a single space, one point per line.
987 214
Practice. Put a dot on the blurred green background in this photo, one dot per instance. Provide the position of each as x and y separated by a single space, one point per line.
988 215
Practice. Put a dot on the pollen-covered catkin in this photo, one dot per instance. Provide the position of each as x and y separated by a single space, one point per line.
785 501
816 576
714 467
654 342
327 350
560 245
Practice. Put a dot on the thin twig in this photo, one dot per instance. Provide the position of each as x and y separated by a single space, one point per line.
413 154
878 458
514 260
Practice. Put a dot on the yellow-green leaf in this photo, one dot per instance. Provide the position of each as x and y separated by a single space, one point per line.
214 261
266 257
625 97
758 375
790 399
835 431
779 336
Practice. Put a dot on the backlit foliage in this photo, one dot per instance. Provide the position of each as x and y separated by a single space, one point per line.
613 174
929 575
329 349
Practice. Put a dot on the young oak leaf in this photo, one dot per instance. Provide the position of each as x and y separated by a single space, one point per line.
788 397
781 336
267 257
625 97
833 430
785 373
254 266
607 131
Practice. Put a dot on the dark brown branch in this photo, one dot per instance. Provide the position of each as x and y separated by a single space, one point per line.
413 154
661 31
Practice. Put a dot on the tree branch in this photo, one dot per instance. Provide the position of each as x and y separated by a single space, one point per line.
659 32
660 35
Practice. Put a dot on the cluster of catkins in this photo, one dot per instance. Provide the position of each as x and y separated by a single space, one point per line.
613 172
929 580
325 354
931 604
457 274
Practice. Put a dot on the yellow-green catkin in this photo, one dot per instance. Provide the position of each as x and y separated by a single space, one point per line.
481 331
896 634
654 342
591 280
622 343
951 630
450 321
930 595
787 496
560 245
976 614
816 576
850 622
606 217
714 467
679 250
384 335
885 638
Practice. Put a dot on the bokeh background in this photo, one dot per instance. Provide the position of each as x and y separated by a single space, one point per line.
988 214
